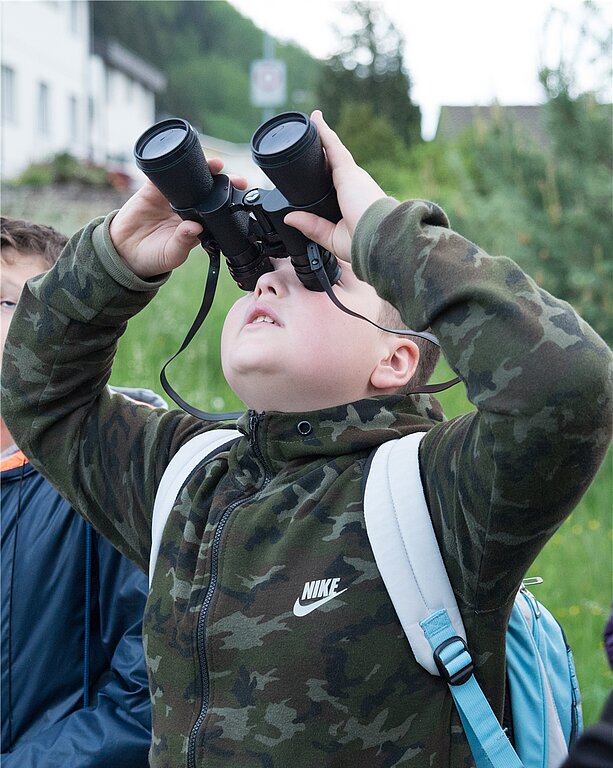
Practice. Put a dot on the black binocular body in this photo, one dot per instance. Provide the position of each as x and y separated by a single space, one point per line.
248 227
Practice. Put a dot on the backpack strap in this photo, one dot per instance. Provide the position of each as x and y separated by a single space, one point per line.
182 464
402 538
408 557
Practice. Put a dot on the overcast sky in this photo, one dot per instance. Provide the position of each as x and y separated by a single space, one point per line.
457 52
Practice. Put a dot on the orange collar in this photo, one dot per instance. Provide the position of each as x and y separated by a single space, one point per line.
17 459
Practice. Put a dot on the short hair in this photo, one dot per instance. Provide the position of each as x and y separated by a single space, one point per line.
35 239
429 353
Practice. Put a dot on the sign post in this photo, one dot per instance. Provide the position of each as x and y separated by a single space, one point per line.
268 84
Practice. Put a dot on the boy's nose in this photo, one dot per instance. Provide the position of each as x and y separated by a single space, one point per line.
271 282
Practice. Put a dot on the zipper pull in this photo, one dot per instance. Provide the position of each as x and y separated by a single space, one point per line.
532 581
254 420
536 608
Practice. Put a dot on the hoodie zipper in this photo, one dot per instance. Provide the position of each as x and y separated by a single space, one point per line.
254 422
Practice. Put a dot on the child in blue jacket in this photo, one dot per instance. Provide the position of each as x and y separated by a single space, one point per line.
74 684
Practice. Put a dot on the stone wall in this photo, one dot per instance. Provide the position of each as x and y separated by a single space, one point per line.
67 207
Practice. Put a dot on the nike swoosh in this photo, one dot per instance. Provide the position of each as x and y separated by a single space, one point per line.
304 610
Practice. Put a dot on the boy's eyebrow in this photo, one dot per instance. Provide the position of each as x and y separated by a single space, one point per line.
9 282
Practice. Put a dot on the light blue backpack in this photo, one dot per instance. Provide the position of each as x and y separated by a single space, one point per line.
544 694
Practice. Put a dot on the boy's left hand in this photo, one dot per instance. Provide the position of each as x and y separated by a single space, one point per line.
150 237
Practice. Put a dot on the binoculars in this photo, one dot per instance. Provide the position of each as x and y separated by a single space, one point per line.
247 227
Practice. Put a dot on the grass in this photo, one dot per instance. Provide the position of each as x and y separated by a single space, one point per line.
576 565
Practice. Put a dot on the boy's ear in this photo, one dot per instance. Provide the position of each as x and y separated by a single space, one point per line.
398 366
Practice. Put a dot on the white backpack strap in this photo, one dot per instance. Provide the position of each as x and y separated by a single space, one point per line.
408 557
405 547
182 464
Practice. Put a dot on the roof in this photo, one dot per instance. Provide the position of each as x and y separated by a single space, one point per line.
118 57
454 120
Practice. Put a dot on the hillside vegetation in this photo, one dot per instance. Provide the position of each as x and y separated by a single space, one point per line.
205 49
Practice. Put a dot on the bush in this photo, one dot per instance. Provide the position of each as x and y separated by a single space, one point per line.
64 168
370 137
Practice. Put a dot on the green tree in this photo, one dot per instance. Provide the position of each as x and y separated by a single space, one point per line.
367 134
369 70
546 206
205 49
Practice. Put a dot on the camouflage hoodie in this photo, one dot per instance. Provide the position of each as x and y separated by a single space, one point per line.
241 672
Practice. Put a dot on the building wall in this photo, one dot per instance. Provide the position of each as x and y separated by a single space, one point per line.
122 108
57 96
130 109
236 159
44 53
93 110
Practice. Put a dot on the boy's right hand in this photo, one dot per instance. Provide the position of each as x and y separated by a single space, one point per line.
150 237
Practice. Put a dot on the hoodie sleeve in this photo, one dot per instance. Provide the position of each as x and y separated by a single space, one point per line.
90 442
499 481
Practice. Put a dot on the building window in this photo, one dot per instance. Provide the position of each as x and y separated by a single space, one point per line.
44 118
74 16
9 94
73 119
108 85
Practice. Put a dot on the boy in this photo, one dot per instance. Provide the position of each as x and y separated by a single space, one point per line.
244 669
74 685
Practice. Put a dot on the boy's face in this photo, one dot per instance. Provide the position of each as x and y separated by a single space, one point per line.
16 268
286 348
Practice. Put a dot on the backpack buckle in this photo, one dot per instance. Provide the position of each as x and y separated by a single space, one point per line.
454 656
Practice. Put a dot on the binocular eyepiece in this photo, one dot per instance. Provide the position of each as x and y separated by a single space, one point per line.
248 227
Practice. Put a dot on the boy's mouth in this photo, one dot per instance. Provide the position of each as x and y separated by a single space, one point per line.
261 315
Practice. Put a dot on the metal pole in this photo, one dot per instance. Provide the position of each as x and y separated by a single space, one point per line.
269 54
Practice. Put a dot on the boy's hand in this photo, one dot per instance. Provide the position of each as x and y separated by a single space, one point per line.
150 237
356 190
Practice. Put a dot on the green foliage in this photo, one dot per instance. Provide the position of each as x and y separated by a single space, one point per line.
220 82
35 175
63 168
369 70
547 208
206 50
368 134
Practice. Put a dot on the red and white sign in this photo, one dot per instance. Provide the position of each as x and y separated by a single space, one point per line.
268 83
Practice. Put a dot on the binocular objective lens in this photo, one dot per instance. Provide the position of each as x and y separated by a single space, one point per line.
281 137
162 143
282 140
170 155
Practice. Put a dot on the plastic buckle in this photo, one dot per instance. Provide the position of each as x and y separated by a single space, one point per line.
462 675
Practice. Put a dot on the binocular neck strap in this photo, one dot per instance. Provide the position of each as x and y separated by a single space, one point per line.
316 264
205 306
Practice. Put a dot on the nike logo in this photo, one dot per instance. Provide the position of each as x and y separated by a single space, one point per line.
324 589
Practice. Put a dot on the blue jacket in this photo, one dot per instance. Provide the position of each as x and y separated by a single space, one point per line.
74 684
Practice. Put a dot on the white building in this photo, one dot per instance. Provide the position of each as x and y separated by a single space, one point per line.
60 92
